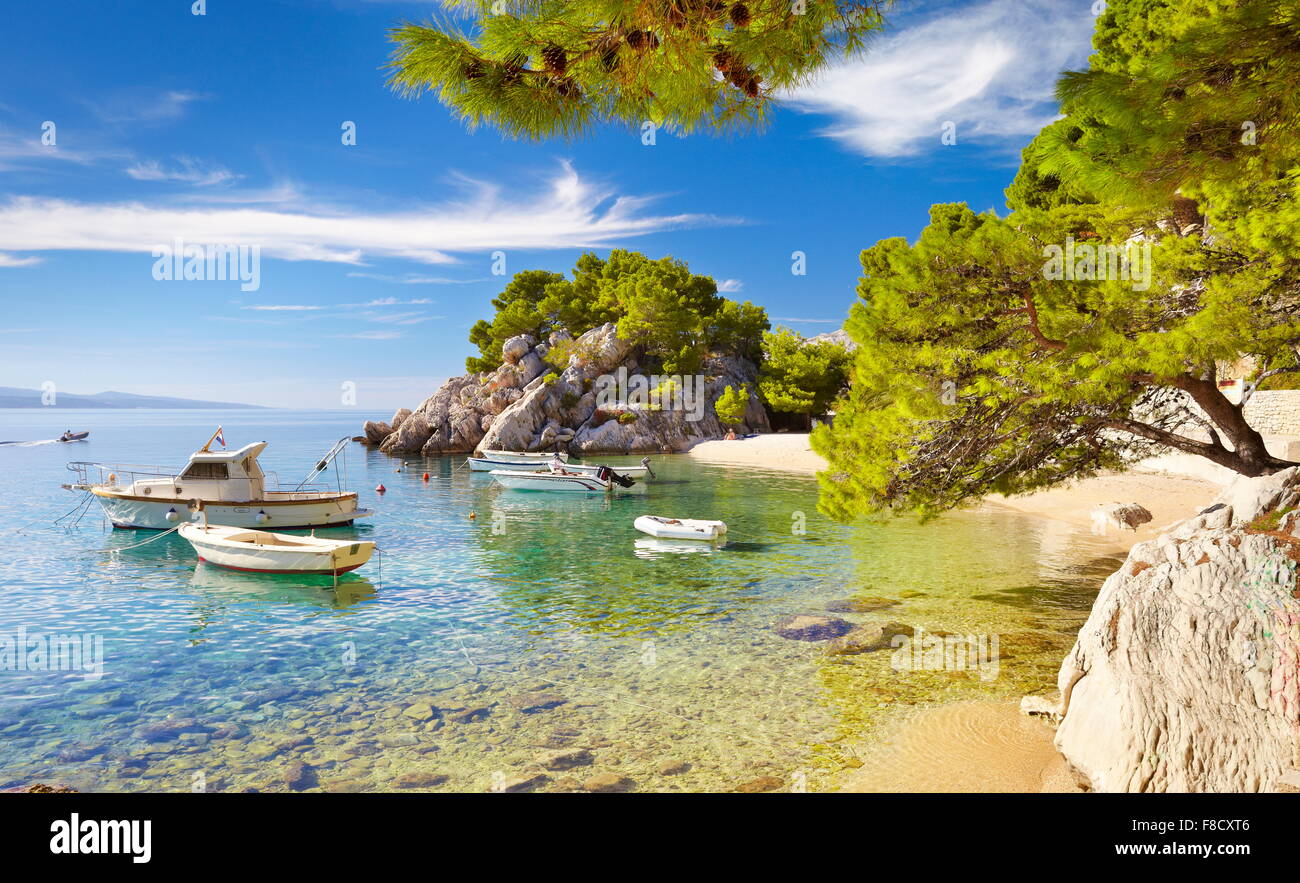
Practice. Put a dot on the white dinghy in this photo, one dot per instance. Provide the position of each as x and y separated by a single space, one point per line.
260 551
680 528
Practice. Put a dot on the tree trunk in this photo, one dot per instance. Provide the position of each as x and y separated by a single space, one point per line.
1249 455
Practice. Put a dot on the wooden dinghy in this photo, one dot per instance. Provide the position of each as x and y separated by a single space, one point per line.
680 528
260 551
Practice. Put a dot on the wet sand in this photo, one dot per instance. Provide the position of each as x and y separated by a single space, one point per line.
982 746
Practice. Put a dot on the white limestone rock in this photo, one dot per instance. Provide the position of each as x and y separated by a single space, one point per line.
1186 676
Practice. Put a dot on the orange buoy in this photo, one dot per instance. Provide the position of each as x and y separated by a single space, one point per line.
426 476
380 489
472 516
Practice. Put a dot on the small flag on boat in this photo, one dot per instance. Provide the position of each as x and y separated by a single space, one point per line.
219 437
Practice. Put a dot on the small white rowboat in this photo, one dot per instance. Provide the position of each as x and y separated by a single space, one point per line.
260 551
680 528
523 456
544 480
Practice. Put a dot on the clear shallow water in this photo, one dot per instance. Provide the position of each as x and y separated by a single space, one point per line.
417 670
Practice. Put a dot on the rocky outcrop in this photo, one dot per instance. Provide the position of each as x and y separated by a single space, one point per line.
594 405
1186 676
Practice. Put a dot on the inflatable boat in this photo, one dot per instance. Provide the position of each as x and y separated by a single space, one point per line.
680 528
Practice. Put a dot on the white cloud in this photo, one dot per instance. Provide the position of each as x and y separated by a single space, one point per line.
140 105
730 286
570 212
392 302
187 170
990 69
414 279
13 260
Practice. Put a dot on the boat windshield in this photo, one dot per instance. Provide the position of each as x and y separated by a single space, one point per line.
206 471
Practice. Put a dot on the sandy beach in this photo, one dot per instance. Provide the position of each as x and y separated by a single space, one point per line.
990 746
1169 494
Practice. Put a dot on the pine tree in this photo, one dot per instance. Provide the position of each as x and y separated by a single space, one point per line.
535 68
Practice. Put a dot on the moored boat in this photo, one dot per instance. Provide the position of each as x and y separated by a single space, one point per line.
605 480
680 528
501 460
228 485
260 551
522 456
481 464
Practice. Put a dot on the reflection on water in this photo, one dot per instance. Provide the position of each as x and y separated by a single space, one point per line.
496 629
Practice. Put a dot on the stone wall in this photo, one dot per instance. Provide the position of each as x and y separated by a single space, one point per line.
1275 411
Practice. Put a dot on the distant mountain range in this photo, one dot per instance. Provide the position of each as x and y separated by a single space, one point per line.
13 397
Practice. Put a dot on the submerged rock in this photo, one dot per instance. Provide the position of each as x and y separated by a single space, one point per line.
530 703
567 760
1186 676
608 783
807 627
299 776
868 637
760 785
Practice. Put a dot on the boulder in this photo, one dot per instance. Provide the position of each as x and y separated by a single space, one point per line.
1119 515
806 627
515 348
1186 675
410 438
868 638
376 431
398 416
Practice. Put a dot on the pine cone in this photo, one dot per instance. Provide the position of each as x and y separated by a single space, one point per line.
609 59
740 15
723 59
638 40
554 58
473 70
566 88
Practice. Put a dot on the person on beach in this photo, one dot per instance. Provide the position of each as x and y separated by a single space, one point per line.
731 435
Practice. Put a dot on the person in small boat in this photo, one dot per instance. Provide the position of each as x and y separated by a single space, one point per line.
557 466
67 434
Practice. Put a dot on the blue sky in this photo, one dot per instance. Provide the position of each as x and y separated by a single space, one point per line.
376 258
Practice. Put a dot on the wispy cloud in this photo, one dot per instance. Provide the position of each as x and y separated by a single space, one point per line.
415 279
989 69
186 170
730 286
570 212
143 105
393 302
13 260
373 335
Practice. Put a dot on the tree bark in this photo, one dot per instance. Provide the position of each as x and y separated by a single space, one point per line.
1248 456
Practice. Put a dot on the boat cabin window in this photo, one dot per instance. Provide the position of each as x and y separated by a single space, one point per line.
206 470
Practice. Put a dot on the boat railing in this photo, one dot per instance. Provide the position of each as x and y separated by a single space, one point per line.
118 474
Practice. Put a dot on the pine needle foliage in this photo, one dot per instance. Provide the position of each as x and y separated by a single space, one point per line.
541 68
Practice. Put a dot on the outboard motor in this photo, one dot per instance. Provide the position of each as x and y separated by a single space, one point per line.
604 473
645 461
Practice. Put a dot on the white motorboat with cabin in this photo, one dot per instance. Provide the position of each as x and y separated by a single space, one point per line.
261 551
228 485
505 460
604 480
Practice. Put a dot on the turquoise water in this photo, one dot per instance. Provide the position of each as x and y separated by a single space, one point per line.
418 671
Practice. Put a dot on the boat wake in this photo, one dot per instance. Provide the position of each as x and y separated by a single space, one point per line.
31 444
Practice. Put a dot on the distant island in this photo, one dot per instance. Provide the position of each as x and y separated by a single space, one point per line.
13 397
